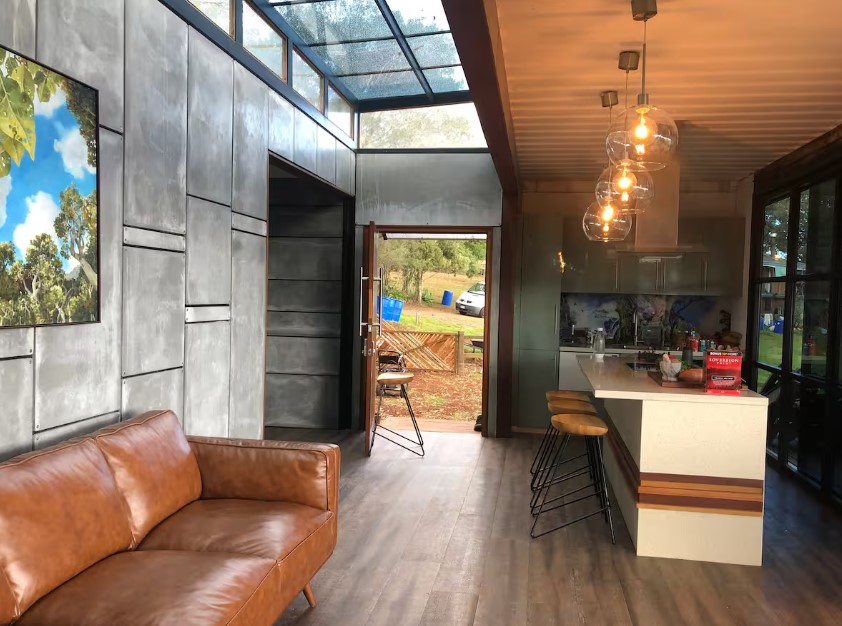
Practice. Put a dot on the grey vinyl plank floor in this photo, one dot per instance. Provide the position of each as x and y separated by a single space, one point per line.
444 540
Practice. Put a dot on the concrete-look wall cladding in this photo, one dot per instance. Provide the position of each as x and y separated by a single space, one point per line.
428 189
184 140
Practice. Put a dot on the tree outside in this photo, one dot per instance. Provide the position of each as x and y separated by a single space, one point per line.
48 200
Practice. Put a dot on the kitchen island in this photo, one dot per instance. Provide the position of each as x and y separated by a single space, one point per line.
686 467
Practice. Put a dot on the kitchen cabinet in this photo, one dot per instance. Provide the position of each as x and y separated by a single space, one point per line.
540 281
590 266
718 271
537 374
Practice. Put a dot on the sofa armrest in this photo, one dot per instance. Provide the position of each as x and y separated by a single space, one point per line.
250 469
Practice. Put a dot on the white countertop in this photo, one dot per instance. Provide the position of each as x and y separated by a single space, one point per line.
612 378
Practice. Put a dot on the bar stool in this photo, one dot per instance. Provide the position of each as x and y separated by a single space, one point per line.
385 379
577 402
592 429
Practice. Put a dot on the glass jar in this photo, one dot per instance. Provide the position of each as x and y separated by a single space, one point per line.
599 343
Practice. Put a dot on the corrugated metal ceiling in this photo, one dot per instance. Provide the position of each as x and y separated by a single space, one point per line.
748 80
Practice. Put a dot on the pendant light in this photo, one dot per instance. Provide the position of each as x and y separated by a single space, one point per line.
646 137
623 189
606 224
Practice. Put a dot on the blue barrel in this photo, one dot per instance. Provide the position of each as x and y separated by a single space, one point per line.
447 298
388 309
398 311
779 327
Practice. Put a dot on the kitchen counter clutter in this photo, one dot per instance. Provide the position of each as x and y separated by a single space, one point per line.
686 467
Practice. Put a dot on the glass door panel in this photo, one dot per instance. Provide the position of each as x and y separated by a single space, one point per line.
770 339
810 323
775 245
803 421
815 228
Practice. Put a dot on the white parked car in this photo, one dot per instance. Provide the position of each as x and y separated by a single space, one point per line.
472 302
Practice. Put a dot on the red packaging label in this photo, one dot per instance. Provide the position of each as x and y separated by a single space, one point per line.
723 372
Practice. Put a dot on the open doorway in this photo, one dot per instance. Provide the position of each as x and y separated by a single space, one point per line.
433 315
309 324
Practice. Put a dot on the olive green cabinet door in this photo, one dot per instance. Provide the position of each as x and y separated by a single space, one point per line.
537 374
540 281
590 266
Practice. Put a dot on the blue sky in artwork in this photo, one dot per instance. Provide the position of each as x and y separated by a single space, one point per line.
29 196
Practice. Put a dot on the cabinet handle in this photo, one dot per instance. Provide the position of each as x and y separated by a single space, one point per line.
705 274
616 274
557 321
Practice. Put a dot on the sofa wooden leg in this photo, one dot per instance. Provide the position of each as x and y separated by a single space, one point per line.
308 593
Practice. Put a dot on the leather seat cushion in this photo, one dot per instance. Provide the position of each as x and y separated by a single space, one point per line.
154 467
166 588
266 529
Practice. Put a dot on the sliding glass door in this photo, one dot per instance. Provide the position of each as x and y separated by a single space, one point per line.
795 341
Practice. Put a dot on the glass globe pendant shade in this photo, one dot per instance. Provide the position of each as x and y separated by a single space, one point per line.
606 223
626 190
645 136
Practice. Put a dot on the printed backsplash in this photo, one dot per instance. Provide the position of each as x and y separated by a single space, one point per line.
616 314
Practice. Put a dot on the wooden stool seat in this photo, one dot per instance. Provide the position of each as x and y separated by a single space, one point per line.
562 394
395 378
571 406
580 424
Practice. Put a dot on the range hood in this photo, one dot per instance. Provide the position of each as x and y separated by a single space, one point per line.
656 230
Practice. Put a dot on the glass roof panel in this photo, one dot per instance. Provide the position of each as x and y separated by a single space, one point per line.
419 16
367 57
335 20
434 50
446 79
383 85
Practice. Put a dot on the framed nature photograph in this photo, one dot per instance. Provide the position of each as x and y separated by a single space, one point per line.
49 213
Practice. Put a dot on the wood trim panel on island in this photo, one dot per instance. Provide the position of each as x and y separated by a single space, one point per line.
706 494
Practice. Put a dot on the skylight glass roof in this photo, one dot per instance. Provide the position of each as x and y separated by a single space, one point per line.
378 48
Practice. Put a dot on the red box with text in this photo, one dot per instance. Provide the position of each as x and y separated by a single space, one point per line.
723 372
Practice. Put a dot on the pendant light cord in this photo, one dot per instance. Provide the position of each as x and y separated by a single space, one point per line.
643 69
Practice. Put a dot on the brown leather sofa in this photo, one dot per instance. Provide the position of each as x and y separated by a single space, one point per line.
138 525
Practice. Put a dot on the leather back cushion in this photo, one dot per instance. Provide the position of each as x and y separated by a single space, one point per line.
60 512
7 601
155 469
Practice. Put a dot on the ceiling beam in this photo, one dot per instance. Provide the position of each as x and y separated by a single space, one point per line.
475 43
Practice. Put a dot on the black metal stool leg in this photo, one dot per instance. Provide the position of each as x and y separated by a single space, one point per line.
539 454
604 481
420 440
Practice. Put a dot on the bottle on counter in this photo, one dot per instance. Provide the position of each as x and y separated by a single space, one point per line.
599 343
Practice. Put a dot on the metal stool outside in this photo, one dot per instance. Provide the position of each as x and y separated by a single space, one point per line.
592 429
402 379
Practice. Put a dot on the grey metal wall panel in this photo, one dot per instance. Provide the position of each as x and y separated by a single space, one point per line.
210 97
156 117
17 28
153 310
159 390
353 189
305 296
251 152
281 130
307 221
290 324
53 436
206 378
152 239
344 168
302 401
84 39
77 368
302 355
16 378
305 142
200 314
208 252
16 342
248 224
305 259
326 155
248 335
428 189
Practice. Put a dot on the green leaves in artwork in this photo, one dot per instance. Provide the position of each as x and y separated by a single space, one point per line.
21 81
